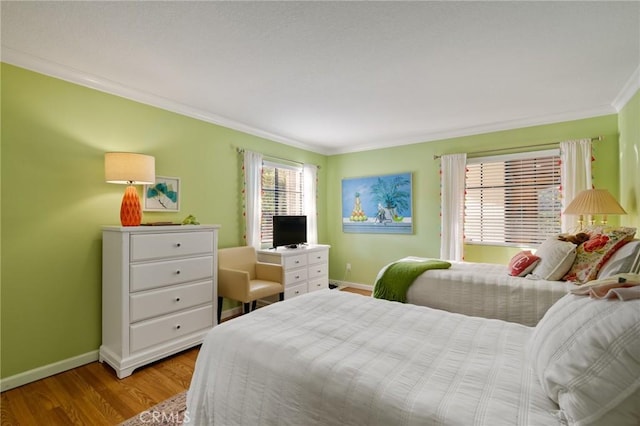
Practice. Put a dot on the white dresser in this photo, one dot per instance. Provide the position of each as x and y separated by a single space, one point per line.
159 291
305 269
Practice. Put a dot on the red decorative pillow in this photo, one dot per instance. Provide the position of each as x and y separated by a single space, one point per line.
522 263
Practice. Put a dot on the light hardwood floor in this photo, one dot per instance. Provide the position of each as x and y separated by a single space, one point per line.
93 395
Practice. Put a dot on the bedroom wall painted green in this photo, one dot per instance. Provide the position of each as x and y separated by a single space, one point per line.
629 124
367 253
55 200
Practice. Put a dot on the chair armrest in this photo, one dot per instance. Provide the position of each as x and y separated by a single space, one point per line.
233 284
269 272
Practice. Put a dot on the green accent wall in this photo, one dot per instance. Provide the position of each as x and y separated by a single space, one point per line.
629 124
55 200
367 253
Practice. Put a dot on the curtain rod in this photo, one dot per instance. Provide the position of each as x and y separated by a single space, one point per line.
241 151
593 139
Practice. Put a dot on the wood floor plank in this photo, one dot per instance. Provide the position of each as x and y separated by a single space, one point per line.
93 395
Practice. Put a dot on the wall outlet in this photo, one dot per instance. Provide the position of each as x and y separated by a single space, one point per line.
348 267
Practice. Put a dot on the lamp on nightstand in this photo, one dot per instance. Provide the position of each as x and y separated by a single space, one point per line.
594 201
129 169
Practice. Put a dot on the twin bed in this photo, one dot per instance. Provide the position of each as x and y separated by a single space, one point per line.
484 290
336 358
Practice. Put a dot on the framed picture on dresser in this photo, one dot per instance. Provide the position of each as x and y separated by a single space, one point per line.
163 195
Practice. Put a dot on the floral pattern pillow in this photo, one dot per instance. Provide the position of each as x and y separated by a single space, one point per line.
592 254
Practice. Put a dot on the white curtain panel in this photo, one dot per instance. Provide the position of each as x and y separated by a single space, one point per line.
452 167
310 201
575 170
252 183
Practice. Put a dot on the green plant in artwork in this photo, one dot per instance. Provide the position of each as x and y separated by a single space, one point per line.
162 192
391 197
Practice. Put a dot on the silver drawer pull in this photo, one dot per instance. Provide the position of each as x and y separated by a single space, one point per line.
319 271
297 291
178 244
177 299
297 261
297 276
178 327
178 272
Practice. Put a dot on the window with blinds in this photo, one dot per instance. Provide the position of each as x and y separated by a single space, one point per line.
282 189
513 199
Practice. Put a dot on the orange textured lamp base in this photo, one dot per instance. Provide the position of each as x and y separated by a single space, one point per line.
130 210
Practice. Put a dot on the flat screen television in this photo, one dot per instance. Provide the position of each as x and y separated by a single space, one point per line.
289 231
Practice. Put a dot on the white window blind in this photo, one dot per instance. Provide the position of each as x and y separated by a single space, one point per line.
513 199
282 194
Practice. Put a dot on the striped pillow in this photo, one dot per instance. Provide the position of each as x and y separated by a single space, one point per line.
586 355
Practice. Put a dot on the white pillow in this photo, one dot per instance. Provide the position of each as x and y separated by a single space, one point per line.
621 261
586 354
556 258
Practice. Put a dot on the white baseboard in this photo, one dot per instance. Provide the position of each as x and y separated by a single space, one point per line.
47 370
342 284
70 363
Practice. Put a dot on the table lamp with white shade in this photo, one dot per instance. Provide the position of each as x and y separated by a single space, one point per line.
130 169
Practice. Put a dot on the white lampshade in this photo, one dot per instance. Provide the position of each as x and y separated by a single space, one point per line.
129 168
594 201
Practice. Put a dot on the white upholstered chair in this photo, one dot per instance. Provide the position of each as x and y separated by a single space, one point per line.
241 277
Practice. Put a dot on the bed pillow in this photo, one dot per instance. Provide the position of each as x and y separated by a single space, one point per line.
556 258
586 355
592 254
621 261
522 263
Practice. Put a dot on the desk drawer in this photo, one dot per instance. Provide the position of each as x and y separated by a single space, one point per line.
172 244
319 257
295 291
318 284
149 304
319 270
295 276
144 276
152 332
294 261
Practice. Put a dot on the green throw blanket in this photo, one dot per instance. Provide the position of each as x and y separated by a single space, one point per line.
396 279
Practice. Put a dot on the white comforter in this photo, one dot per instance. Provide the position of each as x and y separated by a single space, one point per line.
335 358
485 290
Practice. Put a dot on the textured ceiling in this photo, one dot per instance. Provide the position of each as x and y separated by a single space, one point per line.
338 77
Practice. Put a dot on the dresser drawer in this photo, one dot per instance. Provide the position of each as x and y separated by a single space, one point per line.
295 276
152 332
144 276
319 270
172 244
319 257
294 261
295 291
318 284
149 304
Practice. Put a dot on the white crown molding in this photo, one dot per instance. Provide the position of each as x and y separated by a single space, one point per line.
43 66
33 63
485 128
627 92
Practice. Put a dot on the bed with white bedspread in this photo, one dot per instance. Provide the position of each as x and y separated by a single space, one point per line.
335 358
485 290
